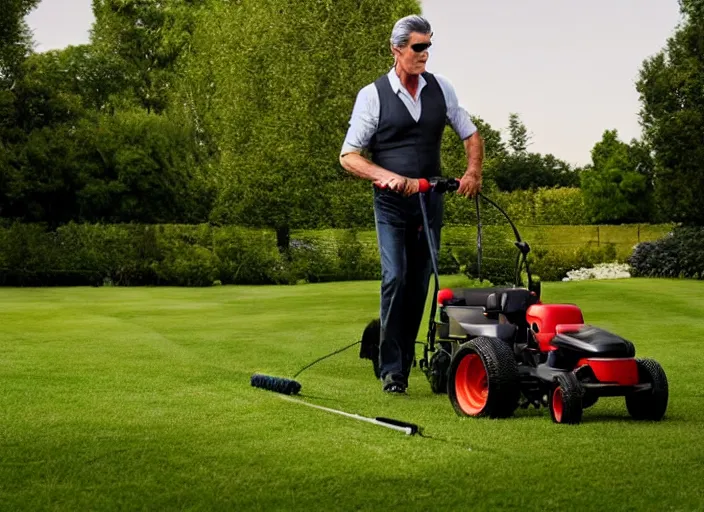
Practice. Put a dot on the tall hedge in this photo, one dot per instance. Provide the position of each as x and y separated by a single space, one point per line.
181 255
544 206
203 255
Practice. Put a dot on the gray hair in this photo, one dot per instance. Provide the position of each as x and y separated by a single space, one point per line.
401 32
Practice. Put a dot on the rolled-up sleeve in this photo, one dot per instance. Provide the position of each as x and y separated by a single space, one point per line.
457 115
363 122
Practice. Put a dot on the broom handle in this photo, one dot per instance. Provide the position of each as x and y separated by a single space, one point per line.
408 429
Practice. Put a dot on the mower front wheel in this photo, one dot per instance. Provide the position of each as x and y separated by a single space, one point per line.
566 399
483 379
650 404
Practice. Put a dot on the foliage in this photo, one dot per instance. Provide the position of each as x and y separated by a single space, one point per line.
497 262
453 155
280 119
672 115
618 186
95 78
553 264
199 255
519 140
170 254
132 166
145 39
680 254
15 38
530 171
519 169
557 206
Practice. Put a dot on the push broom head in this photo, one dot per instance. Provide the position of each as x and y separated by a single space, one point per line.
277 384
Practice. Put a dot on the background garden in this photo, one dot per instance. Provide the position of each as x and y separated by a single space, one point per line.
172 150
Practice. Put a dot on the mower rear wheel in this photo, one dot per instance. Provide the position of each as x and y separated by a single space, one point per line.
650 404
483 379
566 399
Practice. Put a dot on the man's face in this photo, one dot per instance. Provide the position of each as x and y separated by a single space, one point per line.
414 55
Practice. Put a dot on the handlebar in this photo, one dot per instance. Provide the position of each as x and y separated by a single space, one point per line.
439 185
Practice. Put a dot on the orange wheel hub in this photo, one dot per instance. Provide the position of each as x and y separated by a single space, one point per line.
471 385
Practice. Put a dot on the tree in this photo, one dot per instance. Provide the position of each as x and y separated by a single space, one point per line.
672 115
15 37
146 39
33 150
526 171
277 96
519 140
66 159
518 169
453 154
618 186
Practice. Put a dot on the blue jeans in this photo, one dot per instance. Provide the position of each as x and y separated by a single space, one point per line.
405 274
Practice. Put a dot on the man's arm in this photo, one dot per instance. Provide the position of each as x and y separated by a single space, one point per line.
471 181
356 164
461 122
363 124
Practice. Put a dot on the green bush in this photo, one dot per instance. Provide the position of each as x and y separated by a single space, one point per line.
116 254
679 254
247 256
199 255
553 206
498 257
553 265
354 262
311 262
559 206
26 254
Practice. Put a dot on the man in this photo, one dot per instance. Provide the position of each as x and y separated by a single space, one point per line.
400 120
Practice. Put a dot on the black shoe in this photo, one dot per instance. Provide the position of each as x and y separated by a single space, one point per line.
395 384
394 388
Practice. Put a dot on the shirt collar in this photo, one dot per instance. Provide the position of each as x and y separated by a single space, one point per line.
395 82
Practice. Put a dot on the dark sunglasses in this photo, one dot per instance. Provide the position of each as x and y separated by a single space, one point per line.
420 47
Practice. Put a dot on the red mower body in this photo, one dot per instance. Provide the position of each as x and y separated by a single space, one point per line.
493 350
547 350
544 320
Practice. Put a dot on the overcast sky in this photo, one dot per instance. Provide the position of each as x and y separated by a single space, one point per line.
568 67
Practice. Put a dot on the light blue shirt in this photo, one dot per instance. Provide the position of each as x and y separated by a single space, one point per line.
365 114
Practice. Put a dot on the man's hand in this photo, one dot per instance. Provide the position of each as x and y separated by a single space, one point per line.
404 186
470 184
412 187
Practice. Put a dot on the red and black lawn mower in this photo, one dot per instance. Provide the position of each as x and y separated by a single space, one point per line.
493 350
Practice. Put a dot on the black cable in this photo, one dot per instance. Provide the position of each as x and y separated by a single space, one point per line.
513 226
479 240
431 249
325 357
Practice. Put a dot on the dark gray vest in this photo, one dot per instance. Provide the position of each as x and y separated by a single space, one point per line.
401 144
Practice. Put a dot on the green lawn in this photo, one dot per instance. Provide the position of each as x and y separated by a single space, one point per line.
139 398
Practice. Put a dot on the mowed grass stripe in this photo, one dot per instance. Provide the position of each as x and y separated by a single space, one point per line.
125 398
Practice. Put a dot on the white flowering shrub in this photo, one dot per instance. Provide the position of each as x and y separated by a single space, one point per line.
600 271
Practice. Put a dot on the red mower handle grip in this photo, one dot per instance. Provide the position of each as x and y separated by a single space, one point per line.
439 185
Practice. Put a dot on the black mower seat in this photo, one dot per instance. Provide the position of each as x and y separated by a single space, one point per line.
594 342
